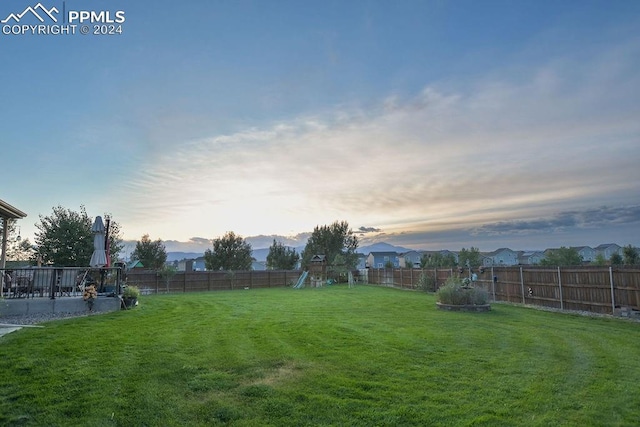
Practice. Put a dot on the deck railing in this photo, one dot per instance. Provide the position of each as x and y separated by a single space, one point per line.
53 282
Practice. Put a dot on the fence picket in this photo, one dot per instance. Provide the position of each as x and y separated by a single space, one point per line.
577 288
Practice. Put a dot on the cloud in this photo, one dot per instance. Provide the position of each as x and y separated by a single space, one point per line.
587 218
523 227
484 155
200 241
262 241
606 215
364 230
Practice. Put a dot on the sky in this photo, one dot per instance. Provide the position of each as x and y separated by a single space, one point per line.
423 124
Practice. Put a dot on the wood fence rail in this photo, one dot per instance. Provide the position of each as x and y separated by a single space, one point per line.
586 288
150 281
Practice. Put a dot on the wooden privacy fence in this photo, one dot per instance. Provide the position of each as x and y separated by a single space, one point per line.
595 289
150 281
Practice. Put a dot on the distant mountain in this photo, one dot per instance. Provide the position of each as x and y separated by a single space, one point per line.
382 247
179 256
261 254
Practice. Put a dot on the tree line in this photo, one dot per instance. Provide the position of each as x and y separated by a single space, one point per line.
555 257
65 239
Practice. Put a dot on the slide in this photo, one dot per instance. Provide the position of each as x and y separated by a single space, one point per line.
300 283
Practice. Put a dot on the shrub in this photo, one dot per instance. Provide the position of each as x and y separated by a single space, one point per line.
131 291
454 292
426 282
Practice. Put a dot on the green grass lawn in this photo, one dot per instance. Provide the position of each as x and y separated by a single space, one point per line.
332 356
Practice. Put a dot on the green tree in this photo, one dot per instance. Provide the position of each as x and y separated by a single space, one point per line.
18 249
152 254
340 268
562 256
65 239
616 259
600 260
116 244
230 252
469 257
167 272
332 240
281 257
630 255
437 260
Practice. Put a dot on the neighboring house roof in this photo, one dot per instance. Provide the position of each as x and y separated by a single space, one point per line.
582 248
497 251
135 264
530 257
606 246
430 252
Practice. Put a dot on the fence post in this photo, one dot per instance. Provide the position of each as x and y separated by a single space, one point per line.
522 285
184 282
613 298
493 284
560 287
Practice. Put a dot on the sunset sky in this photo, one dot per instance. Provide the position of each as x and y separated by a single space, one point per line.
424 124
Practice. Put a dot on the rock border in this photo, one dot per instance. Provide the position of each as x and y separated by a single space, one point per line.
470 308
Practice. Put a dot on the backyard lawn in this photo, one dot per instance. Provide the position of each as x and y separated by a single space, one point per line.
364 356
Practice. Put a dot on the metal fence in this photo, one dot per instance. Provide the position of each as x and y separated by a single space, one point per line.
53 282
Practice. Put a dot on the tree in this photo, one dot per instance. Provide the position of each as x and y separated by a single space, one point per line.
230 252
65 239
630 255
600 260
437 260
281 257
332 240
167 272
615 259
562 256
116 245
17 248
151 254
469 258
